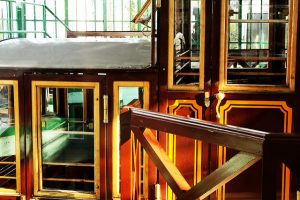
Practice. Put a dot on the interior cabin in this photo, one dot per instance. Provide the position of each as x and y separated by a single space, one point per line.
149 99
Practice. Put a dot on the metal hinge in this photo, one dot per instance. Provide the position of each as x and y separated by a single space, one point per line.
105 109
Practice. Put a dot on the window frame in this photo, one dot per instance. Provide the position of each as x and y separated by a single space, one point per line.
171 85
36 132
291 55
17 191
116 187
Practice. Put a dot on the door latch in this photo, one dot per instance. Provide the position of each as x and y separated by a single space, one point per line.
220 96
105 109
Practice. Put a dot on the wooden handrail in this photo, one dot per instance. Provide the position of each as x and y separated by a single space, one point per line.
254 146
238 138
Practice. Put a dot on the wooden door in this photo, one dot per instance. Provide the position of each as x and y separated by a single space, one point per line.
255 83
130 174
245 76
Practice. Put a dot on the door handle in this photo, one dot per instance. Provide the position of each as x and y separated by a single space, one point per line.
206 99
105 109
220 96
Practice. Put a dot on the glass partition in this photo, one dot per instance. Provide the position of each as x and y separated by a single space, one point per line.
260 42
9 138
130 179
68 138
186 65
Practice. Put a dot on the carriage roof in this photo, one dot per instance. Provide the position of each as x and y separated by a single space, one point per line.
117 53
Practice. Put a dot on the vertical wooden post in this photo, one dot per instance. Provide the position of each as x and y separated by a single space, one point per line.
268 175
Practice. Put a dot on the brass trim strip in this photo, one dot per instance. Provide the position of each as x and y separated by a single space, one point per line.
8 177
8 163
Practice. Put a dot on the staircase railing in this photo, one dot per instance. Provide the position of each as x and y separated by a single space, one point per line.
253 146
21 31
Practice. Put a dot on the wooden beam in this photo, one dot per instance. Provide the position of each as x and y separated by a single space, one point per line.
231 169
158 155
141 12
112 34
242 139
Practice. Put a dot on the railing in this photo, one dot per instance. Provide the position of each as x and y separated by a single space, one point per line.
253 146
112 34
8 29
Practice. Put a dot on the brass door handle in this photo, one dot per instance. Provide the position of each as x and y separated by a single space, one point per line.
105 109
206 99
220 96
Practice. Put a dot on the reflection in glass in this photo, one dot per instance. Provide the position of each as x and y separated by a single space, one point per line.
7 138
133 97
186 42
67 139
257 42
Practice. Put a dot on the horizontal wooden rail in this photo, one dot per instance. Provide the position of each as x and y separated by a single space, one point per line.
113 34
230 136
254 146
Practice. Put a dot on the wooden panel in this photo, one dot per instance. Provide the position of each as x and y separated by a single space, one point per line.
271 116
231 169
186 153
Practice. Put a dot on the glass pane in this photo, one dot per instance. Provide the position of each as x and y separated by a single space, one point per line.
186 42
134 97
8 183
257 42
131 96
7 138
67 134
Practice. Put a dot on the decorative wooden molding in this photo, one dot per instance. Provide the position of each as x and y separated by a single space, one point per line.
287 112
141 121
191 104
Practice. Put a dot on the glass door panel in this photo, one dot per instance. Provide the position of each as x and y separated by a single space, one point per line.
9 138
186 70
67 138
129 179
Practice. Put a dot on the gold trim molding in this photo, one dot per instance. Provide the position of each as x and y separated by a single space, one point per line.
287 112
192 104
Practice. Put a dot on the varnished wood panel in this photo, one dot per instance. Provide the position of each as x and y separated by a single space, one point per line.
271 116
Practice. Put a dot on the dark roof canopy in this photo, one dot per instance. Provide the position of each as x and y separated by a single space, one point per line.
75 53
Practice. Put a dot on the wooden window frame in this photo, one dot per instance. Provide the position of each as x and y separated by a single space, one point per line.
17 191
37 154
116 134
171 85
291 57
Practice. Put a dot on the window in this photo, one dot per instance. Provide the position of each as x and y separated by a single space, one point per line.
259 43
10 175
134 181
186 60
66 139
